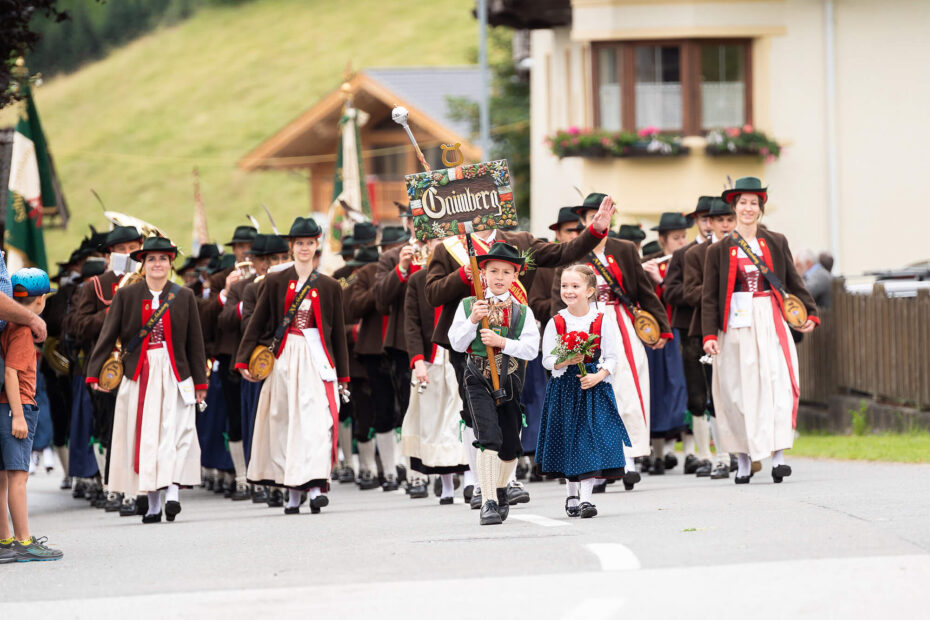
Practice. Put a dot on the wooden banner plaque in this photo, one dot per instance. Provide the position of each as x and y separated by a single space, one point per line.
478 193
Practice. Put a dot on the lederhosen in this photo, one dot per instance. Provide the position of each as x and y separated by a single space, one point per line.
497 426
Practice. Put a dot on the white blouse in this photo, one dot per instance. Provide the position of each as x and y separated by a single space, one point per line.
610 341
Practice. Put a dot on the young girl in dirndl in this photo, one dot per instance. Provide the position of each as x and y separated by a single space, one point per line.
297 419
581 435
154 445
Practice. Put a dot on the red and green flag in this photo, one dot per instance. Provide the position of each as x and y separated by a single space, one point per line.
31 187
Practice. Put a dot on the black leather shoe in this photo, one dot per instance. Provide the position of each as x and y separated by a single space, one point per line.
156 518
644 462
522 471
780 472
475 501
600 487
516 494
503 503
320 501
691 464
367 482
401 473
671 461
490 514
259 495
241 493
114 502
467 492
100 500
704 469
418 491
741 480
78 491
587 510
733 463
275 498
346 474
572 511
172 509
128 508
292 511
630 479
142 504
658 468
720 472
389 485
446 501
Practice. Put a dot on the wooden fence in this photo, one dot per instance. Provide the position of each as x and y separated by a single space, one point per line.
869 344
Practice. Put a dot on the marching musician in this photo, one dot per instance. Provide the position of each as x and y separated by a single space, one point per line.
755 382
154 443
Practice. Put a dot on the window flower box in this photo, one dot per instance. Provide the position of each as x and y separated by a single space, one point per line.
743 140
593 143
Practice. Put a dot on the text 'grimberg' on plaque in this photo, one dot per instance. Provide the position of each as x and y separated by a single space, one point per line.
477 193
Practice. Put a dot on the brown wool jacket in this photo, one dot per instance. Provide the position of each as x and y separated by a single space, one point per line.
447 284
275 294
419 317
229 321
389 289
720 281
360 299
628 270
692 286
130 309
674 290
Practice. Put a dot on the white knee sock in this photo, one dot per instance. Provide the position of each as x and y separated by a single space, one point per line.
629 458
489 468
366 457
386 450
293 498
743 465
571 490
670 446
237 452
687 442
345 443
468 437
100 455
172 493
154 502
586 490
778 458
469 478
658 448
448 486
313 492
701 430
722 457
62 452
507 473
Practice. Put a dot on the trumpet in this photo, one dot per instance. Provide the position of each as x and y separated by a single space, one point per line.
421 252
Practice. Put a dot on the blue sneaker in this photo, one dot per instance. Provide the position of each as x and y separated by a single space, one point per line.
34 550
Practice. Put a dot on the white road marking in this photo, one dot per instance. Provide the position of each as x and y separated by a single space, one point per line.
596 608
538 520
614 556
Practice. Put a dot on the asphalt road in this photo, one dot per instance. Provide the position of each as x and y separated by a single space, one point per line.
836 540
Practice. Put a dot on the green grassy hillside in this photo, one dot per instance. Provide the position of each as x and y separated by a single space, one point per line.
203 93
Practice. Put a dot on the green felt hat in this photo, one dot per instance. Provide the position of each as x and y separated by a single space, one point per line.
703 206
121 234
393 234
503 252
591 201
746 185
208 250
632 232
364 256
304 227
673 221
652 247
276 244
258 245
243 234
348 246
155 244
719 207
566 215
364 233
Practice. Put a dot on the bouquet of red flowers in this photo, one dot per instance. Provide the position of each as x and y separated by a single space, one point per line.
572 343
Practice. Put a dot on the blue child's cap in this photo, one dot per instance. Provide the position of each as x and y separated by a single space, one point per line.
30 282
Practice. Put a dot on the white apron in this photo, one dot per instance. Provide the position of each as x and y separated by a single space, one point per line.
292 443
167 439
754 396
431 425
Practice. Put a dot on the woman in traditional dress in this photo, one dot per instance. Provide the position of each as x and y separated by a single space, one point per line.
430 434
154 444
296 423
666 373
631 381
755 375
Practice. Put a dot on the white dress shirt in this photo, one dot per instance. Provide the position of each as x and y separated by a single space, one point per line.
610 341
462 332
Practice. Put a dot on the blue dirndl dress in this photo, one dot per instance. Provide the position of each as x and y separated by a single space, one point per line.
211 428
534 390
668 391
581 434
